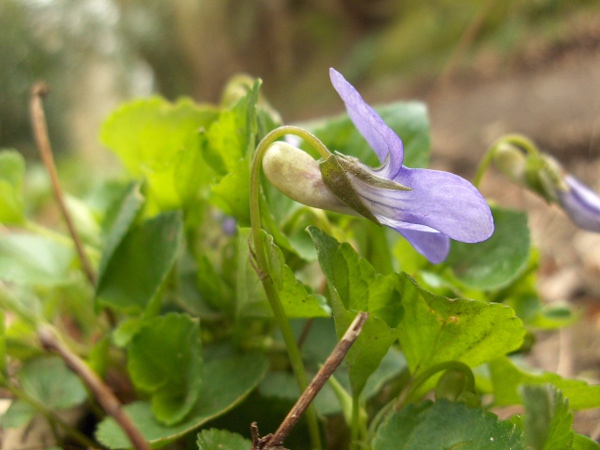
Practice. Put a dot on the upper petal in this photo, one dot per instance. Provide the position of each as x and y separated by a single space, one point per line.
439 200
380 137
581 204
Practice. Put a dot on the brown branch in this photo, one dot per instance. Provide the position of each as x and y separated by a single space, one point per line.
40 131
333 361
105 396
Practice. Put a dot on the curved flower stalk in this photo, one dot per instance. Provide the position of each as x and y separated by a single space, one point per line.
520 160
427 207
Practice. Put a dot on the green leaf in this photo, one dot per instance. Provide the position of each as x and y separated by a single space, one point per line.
432 329
141 263
231 145
165 358
226 382
48 380
232 194
12 170
118 221
35 260
345 270
548 419
354 287
227 142
297 301
436 329
446 425
157 140
408 119
507 377
19 413
499 260
581 442
214 439
2 347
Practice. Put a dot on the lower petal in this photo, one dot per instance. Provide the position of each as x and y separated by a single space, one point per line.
433 246
439 200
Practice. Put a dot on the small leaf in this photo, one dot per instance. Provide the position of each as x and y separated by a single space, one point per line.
499 260
232 193
231 145
548 419
214 439
436 329
355 287
297 301
507 377
2 346
344 269
156 139
446 425
118 221
50 382
12 170
141 263
18 414
35 260
581 442
226 382
165 358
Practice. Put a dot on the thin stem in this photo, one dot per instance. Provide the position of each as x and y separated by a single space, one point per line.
355 425
484 165
331 364
515 139
263 265
40 130
101 391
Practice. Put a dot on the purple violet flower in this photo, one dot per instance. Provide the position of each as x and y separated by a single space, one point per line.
581 204
436 207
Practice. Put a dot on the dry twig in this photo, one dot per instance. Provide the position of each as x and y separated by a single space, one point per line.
40 131
275 441
106 398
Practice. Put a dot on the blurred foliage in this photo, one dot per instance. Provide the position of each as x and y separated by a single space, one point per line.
95 53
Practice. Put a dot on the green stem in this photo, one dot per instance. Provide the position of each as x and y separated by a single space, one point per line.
263 265
514 139
357 429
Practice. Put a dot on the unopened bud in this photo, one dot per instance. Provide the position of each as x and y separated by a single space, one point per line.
511 161
296 174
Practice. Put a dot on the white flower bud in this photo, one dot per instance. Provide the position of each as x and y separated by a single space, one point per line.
296 174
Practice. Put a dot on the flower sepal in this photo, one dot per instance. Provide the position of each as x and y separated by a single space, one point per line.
336 179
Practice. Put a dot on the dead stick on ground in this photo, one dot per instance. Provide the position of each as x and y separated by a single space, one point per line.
105 396
333 361
40 130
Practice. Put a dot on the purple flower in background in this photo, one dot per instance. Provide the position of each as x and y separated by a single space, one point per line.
581 204
427 207
519 159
